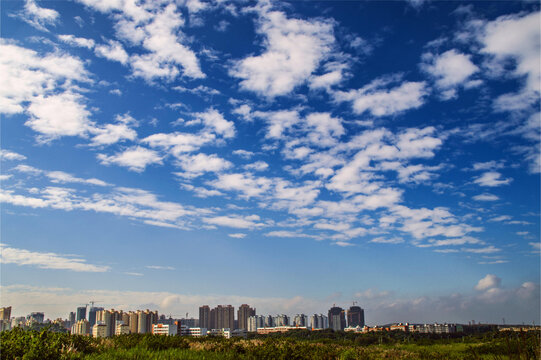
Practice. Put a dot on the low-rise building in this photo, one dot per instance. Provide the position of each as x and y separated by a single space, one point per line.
269 330
193 331
228 333
164 329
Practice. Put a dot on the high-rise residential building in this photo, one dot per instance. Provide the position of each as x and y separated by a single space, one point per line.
244 312
355 316
254 322
223 317
37 317
5 316
72 318
269 321
204 317
81 313
300 320
99 330
281 320
109 319
81 327
18 321
142 321
92 315
145 320
5 313
133 321
337 318
191 322
121 328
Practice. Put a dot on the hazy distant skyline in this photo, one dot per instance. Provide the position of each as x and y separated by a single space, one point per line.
170 154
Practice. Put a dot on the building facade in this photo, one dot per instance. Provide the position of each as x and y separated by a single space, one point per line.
355 316
204 316
81 313
223 317
244 312
337 318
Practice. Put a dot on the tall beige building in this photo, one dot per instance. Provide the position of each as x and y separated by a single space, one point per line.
244 312
81 327
109 319
145 320
133 322
5 316
99 330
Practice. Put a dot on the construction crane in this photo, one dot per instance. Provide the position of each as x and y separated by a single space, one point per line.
92 302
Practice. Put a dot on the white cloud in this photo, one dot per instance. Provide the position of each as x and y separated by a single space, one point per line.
201 191
488 165
239 222
387 240
62 177
516 37
500 218
380 100
59 115
324 130
237 235
334 75
488 282
450 70
491 179
243 153
125 202
294 49
486 250
215 121
486 197
27 74
77 41
4 177
247 184
536 246
279 121
159 267
257 166
113 50
113 133
288 234
39 17
178 143
10 155
199 90
135 158
131 273
46 260
157 30
58 176
197 165
456 241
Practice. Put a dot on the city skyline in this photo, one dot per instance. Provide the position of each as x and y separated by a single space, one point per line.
289 156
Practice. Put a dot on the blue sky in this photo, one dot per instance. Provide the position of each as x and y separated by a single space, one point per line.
288 155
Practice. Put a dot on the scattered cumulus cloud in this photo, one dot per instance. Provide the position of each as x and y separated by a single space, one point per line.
47 260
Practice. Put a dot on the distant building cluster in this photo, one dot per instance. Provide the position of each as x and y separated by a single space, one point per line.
221 321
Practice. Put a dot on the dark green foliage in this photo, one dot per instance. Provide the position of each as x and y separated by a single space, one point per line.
295 345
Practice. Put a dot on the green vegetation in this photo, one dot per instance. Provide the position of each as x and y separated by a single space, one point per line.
45 345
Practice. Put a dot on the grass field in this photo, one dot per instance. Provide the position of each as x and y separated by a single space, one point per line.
44 345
